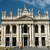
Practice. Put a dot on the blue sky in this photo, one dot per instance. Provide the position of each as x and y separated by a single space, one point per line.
13 5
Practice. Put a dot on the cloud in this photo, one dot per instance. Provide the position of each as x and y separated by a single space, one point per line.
47 1
38 3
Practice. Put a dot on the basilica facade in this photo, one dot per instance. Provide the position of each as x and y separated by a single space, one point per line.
25 28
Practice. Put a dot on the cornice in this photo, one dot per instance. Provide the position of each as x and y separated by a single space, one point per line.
25 20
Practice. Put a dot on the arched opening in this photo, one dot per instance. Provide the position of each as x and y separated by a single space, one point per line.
42 29
25 28
7 29
14 28
36 28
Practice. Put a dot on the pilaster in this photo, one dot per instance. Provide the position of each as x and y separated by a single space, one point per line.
40 42
30 36
46 32
11 35
48 36
33 36
2 36
18 36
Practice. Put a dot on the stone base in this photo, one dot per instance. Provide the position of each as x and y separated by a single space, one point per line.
19 43
2 45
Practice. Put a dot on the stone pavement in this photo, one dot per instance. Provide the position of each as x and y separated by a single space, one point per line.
30 48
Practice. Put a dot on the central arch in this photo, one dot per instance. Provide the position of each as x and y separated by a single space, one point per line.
25 28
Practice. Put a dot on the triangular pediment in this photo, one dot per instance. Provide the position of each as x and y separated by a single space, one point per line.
25 18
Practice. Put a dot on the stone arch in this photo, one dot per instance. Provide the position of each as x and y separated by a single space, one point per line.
42 29
7 28
36 28
25 28
14 28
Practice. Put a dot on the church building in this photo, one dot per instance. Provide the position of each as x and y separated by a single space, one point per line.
25 28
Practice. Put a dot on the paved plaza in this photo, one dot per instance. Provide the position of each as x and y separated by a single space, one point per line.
31 48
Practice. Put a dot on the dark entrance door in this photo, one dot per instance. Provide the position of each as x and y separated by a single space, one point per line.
7 41
14 41
25 41
36 41
43 41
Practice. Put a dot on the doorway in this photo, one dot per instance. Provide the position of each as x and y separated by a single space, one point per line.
36 41
43 41
25 41
7 41
14 41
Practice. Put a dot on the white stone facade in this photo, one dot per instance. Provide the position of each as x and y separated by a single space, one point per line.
30 30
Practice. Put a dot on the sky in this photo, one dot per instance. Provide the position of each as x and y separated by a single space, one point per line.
13 5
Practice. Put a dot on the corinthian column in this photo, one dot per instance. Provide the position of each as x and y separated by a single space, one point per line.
4 33
30 35
39 30
20 35
46 32
11 35
33 36
2 37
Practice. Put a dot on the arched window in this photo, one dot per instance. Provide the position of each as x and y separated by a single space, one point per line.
22 29
7 29
42 29
36 28
25 28
14 28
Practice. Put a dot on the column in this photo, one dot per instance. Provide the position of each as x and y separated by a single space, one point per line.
18 35
46 32
4 34
10 35
48 36
33 36
28 39
30 36
40 40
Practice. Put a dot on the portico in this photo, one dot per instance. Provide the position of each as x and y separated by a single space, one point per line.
26 35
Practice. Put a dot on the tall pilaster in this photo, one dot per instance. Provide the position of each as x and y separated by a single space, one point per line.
46 32
4 34
40 42
18 35
30 36
10 35
48 36
33 36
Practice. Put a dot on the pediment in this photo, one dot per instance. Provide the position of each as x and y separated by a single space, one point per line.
25 18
